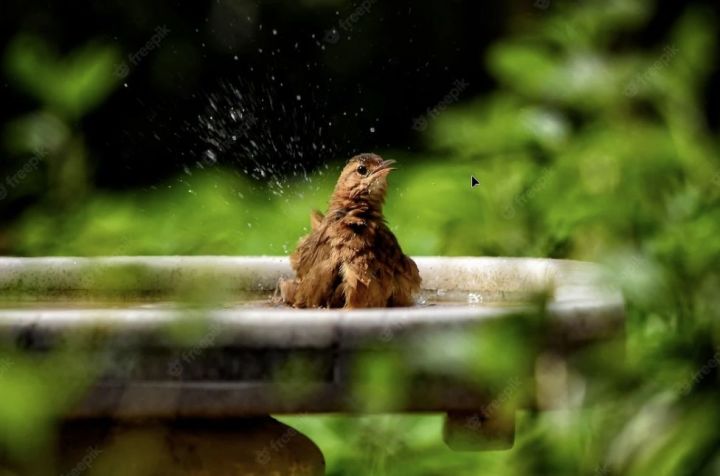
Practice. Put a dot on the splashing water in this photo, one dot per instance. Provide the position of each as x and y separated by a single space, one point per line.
272 134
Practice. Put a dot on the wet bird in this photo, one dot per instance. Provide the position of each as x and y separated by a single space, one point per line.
351 259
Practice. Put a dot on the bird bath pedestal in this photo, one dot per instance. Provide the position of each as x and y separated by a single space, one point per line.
202 406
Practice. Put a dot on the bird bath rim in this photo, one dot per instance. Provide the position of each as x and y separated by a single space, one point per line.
579 294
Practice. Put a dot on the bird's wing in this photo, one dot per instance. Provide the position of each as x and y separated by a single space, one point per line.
406 277
317 272
312 250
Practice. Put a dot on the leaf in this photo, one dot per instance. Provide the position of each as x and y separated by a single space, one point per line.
71 85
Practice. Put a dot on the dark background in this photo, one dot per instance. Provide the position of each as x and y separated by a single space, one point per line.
396 63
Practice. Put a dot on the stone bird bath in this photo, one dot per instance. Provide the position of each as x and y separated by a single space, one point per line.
205 403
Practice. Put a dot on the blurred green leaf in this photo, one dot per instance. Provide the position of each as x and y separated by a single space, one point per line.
71 85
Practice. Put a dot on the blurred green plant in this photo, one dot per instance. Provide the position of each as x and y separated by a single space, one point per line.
66 89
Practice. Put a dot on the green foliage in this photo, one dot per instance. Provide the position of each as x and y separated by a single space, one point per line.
70 86
66 88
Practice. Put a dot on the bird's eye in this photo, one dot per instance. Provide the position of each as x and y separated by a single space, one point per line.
362 170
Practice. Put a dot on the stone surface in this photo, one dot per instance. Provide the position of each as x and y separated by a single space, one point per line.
232 370
580 295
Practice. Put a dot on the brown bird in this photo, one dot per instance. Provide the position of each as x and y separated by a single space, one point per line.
351 258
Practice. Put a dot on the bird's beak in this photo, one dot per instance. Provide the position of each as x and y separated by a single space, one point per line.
385 167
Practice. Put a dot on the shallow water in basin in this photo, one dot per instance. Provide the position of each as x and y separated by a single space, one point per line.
70 301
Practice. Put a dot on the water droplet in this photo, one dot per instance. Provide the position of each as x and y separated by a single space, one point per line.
474 298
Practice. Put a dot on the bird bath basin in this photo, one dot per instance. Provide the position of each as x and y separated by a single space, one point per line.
242 364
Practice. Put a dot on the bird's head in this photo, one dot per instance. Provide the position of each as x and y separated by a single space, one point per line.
364 178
